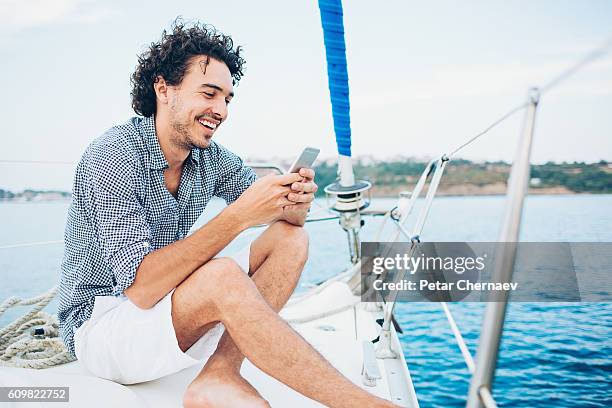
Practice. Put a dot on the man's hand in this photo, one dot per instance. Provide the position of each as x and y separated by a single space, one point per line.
302 194
263 202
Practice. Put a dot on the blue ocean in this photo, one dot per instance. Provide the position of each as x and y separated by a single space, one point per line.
552 354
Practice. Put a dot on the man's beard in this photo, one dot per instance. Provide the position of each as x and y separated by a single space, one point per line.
182 137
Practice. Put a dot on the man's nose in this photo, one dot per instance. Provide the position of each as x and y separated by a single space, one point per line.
220 109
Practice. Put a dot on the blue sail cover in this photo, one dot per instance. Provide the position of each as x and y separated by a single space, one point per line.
335 50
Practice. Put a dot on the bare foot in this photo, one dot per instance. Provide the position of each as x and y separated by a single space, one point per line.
222 389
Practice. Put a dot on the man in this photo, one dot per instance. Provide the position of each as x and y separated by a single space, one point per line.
139 298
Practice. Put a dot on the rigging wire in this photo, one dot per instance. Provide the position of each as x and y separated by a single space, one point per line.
488 128
592 56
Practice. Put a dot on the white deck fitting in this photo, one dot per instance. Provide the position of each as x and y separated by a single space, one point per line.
338 337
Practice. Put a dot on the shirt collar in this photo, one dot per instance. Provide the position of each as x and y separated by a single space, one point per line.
158 161
194 155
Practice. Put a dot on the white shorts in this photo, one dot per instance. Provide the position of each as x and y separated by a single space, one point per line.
123 343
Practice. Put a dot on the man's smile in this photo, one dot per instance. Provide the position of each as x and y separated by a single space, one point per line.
209 124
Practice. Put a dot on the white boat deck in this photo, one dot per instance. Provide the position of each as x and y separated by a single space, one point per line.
338 336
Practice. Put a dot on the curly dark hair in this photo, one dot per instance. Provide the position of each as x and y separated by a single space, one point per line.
169 58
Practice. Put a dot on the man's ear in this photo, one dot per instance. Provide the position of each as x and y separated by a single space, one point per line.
161 89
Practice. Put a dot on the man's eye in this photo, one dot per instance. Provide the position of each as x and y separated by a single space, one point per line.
209 94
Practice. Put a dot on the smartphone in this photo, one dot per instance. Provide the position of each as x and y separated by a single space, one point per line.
305 159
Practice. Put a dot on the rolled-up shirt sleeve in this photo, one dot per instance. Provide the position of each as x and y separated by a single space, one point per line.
234 176
118 217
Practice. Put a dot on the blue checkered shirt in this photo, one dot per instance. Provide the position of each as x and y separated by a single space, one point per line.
121 210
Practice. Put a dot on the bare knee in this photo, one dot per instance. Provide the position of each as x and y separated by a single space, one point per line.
213 282
217 273
226 283
291 238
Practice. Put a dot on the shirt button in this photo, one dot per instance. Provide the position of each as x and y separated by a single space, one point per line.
146 244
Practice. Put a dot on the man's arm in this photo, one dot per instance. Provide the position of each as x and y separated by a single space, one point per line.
164 269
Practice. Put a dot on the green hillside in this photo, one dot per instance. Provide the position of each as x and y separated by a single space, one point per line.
488 178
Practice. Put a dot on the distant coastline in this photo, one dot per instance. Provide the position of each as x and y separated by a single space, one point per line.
462 190
467 178
461 178
34 195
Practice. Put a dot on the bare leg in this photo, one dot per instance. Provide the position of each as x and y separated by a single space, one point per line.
219 291
276 262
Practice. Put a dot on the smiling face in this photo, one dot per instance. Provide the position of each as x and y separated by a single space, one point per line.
199 104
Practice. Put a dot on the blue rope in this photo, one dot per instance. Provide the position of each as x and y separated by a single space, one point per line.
335 51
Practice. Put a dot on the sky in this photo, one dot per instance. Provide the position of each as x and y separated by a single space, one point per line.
424 77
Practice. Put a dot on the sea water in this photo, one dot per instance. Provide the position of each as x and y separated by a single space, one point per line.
552 354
